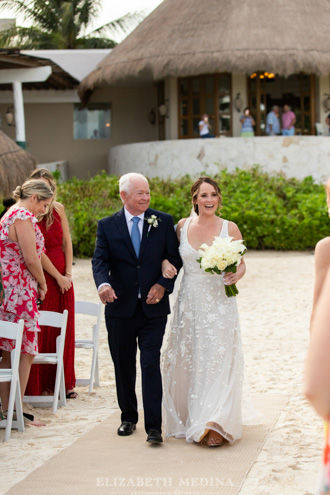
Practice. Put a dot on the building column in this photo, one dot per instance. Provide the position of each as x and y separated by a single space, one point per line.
171 101
19 114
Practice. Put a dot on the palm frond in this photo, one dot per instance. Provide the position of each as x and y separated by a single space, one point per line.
120 25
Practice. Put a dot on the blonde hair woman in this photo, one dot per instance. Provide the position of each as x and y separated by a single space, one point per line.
21 246
57 265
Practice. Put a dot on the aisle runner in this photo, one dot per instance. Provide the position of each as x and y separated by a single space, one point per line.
102 462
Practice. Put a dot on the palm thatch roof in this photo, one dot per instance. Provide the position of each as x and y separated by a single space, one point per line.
191 37
16 165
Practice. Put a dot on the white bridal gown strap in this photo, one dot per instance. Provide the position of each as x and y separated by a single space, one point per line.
203 362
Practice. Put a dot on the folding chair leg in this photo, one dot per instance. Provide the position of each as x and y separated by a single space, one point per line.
97 371
13 389
62 393
94 370
58 389
19 408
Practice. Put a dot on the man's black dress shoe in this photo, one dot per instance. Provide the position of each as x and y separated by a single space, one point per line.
126 428
154 436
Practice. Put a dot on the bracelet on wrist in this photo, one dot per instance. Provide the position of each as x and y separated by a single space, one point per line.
68 273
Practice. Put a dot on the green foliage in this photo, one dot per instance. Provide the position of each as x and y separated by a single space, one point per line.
86 202
61 24
271 211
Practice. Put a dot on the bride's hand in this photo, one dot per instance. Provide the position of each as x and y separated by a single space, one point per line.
230 278
168 270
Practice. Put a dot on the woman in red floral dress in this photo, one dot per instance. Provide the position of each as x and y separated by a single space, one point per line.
21 247
57 265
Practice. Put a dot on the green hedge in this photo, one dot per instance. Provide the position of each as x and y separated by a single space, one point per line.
272 212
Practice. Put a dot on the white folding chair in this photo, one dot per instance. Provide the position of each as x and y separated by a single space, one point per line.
13 331
56 320
90 309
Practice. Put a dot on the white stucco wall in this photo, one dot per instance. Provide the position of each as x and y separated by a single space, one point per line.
297 156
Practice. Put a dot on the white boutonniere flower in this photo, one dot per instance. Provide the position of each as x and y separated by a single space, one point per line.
153 222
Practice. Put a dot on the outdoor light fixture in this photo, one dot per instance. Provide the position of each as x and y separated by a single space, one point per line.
152 116
238 103
263 75
9 116
163 110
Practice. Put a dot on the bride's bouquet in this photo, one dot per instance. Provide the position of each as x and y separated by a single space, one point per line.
222 256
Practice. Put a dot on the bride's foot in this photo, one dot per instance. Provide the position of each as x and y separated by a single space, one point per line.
214 439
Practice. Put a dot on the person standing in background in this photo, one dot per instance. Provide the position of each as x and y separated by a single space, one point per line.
21 248
247 122
57 265
205 127
273 122
288 121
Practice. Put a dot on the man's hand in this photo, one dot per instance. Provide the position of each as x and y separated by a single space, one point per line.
155 294
107 294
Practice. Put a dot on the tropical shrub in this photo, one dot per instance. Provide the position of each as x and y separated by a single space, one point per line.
272 211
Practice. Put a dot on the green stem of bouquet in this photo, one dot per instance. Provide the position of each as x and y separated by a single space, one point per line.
231 290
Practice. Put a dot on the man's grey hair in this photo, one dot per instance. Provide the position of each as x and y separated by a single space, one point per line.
125 181
274 106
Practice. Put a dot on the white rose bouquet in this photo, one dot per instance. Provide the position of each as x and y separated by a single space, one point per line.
222 256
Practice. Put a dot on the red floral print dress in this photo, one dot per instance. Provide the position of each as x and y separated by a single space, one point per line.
20 287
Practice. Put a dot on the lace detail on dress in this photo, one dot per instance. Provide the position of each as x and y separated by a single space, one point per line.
203 363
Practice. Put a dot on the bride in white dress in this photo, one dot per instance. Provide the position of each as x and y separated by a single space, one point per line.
203 362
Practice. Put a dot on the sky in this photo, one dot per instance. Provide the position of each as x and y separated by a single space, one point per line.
110 10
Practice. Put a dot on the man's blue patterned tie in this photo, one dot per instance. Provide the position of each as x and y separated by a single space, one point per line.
135 235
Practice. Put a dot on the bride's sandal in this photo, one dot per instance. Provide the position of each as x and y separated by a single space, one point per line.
204 437
215 441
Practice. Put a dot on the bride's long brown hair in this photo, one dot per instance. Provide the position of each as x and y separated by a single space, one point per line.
43 173
195 190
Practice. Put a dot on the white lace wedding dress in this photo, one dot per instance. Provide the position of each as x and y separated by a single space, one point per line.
203 362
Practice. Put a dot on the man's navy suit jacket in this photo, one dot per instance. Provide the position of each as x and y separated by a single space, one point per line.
115 262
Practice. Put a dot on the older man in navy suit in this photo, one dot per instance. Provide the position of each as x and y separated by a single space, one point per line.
130 248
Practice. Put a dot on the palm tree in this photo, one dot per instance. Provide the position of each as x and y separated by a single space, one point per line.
61 24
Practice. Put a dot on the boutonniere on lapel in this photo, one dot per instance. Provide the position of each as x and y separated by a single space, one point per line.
153 222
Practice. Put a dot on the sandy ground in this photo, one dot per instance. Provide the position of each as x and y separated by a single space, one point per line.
275 304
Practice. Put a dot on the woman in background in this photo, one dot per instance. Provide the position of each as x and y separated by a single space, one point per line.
247 124
21 247
57 265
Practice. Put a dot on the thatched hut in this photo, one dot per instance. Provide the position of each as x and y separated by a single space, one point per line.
16 165
216 57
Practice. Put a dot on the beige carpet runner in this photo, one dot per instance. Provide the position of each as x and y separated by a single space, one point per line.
102 462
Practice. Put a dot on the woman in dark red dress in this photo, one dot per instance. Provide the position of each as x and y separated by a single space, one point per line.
57 265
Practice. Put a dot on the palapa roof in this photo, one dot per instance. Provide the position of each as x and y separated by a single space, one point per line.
16 165
190 37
